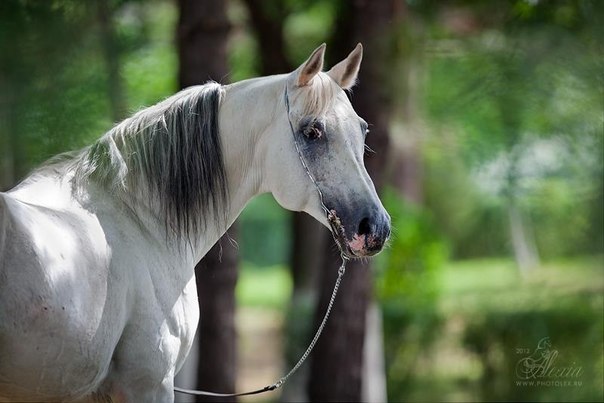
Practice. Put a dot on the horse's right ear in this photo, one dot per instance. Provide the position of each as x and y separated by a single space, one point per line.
311 67
345 73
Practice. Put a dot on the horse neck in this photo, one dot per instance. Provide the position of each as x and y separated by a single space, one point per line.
248 113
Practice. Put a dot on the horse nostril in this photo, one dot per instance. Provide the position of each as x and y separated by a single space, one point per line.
364 227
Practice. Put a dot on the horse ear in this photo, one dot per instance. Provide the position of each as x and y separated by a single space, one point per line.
311 67
345 73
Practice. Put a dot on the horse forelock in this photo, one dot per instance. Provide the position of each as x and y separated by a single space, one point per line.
170 153
318 96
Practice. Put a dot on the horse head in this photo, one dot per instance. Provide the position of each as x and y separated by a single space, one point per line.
317 166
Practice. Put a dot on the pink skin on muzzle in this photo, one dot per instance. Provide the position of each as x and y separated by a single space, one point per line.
357 244
361 245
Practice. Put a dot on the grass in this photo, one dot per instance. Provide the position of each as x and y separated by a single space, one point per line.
489 310
470 285
496 284
563 299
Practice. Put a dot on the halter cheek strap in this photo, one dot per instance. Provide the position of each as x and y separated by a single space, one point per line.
334 221
337 229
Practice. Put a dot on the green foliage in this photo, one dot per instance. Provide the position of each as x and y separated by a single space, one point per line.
409 266
41 80
299 326
53 76
562 301
491 318
264 232
243 50
407 288
516 118
243 56
149 66
307 28
267 287
473 222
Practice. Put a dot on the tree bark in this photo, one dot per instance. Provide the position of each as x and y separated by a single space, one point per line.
523 240
509 104
7 136
309 236
217 358
202 36
337 363
406 173
203 29
267 18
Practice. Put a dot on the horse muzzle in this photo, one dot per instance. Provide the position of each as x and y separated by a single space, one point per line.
361 235
371 234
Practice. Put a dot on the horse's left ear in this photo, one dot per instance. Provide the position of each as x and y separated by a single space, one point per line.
345 73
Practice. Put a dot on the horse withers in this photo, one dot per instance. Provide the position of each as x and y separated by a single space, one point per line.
98 247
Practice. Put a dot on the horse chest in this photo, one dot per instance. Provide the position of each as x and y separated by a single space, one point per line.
159 332
178 321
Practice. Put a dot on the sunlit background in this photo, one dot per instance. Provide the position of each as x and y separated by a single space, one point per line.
494 184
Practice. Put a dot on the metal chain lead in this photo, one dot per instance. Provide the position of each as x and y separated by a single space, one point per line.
336 226
304 356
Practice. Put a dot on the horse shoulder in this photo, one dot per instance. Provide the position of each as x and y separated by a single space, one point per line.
60 304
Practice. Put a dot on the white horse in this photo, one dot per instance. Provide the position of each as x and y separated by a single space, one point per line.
98 247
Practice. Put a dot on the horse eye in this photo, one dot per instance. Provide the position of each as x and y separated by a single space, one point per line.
313 132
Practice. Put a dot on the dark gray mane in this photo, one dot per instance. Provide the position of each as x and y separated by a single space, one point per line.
169 153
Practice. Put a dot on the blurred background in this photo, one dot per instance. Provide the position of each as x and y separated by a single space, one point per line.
487 126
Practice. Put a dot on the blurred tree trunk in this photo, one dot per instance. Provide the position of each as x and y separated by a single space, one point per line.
111 53
217 336
521 233
337 363
13 154
203 30
267 18
510 102
309 236
7 136
523 240
406 173
13 161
